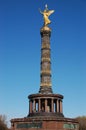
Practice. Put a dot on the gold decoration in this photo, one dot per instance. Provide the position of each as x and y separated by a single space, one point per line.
46 13
45 84
44 45
45 59
45 72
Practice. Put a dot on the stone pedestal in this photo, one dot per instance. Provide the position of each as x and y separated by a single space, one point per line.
44 123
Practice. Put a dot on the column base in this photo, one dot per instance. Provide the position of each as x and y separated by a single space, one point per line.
46 114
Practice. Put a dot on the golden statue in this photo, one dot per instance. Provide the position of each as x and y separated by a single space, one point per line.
46 13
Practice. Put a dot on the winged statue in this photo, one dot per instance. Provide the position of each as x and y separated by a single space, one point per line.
46 13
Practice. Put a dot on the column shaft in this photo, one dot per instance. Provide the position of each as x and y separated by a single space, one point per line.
45 75
34 105
52 105
61 106
57 105
39 105
45 105
30 106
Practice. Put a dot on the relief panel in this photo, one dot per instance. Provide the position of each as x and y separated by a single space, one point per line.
45 66
46 79
45 53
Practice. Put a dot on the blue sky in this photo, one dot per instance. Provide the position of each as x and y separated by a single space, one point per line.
20 45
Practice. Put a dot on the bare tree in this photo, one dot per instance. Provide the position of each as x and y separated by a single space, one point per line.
3 123
82 122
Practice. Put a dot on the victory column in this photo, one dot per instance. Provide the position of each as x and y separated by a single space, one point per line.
45 107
